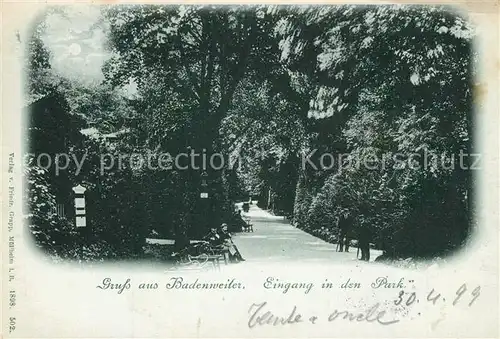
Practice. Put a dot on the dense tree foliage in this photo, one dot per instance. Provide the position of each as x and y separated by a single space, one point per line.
383 93
386 96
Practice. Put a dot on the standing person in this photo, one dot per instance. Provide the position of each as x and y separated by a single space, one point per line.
364 243
341 237
345 226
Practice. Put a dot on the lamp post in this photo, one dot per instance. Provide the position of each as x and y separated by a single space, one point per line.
204 199
204 184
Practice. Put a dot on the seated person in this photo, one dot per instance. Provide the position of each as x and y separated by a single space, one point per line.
237 223
214 238
225 236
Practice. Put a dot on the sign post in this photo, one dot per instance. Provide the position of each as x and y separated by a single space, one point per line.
80 217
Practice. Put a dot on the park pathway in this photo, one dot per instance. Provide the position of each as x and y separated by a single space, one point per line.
275 240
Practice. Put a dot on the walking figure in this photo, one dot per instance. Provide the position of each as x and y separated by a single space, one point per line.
364 243
345 226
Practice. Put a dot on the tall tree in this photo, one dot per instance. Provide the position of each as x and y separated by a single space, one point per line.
200 54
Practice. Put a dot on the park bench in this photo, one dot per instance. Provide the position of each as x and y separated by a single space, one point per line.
247 227
214 256
201 262
213 259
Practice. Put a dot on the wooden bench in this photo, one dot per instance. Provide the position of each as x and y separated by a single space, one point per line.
214 256
248 226
214 259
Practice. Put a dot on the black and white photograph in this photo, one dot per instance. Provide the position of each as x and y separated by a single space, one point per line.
188 141
267 133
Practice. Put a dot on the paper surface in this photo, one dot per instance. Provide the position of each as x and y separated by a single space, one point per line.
293 282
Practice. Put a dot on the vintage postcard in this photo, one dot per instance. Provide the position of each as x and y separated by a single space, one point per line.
250 170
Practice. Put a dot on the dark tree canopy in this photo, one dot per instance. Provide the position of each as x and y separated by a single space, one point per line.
267 85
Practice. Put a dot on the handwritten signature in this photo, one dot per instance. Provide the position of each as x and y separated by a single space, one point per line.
260 315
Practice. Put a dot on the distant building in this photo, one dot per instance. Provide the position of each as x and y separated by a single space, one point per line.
94 133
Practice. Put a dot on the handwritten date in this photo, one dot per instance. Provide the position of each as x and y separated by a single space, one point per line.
434 297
